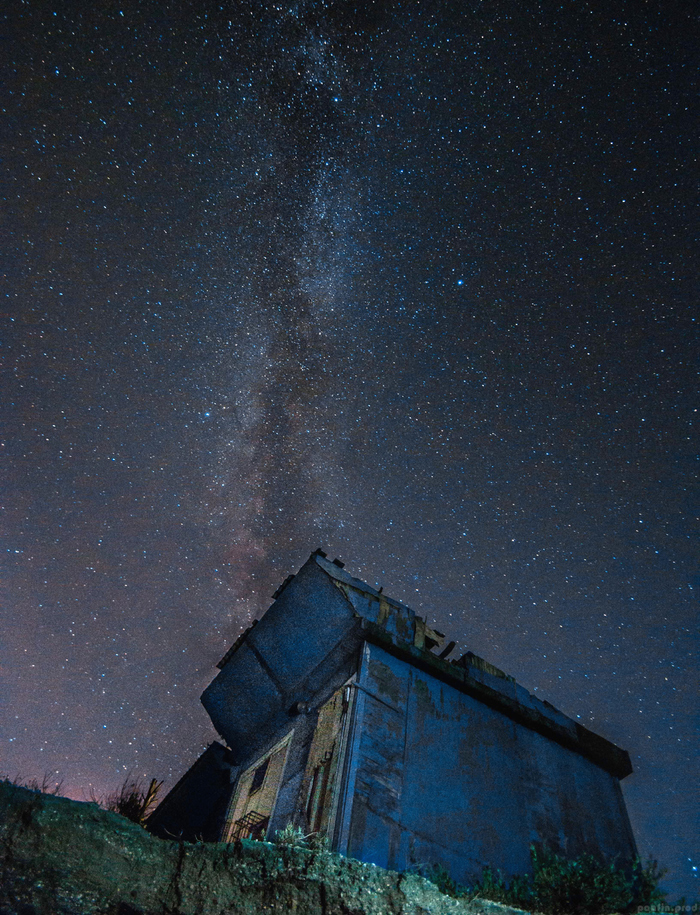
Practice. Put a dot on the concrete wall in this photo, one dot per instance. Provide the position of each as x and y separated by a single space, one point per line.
439 777
307 633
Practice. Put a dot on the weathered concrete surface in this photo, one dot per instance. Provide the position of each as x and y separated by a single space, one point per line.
440 777
61 857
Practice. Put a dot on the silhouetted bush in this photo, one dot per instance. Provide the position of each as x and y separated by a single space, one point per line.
132 800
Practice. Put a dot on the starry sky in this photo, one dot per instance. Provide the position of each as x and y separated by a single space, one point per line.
413 282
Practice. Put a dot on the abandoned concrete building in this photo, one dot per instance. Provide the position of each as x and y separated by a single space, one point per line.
343 714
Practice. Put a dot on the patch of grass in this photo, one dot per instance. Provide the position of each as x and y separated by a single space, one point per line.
440 876
132 800
517 893
44 786
564 886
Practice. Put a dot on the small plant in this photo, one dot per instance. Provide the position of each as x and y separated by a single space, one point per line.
645 883
291 836
319 843
495 887
132 800
440 876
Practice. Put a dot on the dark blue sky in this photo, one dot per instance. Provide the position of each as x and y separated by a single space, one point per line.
416 284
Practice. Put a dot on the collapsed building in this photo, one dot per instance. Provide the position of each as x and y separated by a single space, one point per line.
342 714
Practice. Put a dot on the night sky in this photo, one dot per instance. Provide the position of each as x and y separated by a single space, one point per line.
413 282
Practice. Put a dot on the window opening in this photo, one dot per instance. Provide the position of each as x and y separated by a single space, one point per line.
259 777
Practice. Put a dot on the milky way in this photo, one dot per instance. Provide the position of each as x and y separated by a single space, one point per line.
411 284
